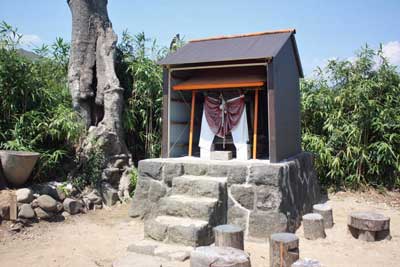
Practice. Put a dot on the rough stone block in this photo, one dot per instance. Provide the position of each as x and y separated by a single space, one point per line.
264 174
218 170
156 191
172 170
237 174
191 207
219 256
185 231
195 168
238 216
244 195
264 223
221 155
150 169
200 186
268 197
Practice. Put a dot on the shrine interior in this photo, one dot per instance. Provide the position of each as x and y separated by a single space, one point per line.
180 107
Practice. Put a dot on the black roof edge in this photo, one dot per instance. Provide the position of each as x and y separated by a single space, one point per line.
297 56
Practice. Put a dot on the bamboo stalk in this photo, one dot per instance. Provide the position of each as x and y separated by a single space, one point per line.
255 123
192 122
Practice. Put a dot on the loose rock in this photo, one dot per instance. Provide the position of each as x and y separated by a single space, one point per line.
109 194
24 195
306 263
26 212
47 203
42 214
219 256
72 206
94 197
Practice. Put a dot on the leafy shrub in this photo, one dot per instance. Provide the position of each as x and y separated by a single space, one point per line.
35 104
134 178
351 120
91 169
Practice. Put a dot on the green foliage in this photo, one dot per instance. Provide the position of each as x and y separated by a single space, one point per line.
134 178
351 120
142 115
35 104
91 168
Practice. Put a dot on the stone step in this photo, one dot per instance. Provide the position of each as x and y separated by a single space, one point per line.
170 252
204 208
200 186
184 231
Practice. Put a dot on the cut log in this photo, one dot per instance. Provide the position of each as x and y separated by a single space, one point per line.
313 226
326 212
229 236
369 226
283 249
219 257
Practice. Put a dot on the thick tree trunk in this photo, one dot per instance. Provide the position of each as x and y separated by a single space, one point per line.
96 92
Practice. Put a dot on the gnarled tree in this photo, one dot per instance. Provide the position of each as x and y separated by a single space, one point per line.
96 92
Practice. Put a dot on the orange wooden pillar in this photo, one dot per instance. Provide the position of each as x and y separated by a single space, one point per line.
192 122
255 124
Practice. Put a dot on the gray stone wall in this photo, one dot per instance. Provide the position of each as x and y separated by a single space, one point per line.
263 198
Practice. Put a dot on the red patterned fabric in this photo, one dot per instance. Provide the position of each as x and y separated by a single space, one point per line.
231 110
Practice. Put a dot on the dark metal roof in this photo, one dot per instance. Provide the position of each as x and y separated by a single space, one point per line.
264 45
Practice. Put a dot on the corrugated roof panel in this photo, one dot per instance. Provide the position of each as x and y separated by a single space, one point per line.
228 49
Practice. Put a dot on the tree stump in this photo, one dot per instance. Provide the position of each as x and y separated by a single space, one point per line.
313 226
228 235
369 226
306 263
283 249
326 212
219 257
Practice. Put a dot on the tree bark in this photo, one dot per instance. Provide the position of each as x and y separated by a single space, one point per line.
96 92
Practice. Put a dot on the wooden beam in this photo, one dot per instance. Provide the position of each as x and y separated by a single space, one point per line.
208 86
192 122
255 124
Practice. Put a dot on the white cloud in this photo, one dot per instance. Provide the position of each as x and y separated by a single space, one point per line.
30 40
391 51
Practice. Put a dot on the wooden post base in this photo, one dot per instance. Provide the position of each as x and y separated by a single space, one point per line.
229 236
313 225
283 249
326 212
369 226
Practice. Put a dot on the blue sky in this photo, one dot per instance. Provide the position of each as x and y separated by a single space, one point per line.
325 29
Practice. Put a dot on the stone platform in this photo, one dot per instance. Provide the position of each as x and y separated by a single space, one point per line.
261 197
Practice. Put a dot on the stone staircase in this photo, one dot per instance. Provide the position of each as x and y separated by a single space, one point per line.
185 218
194 206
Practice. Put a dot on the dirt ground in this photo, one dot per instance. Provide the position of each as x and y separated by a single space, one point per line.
100 237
